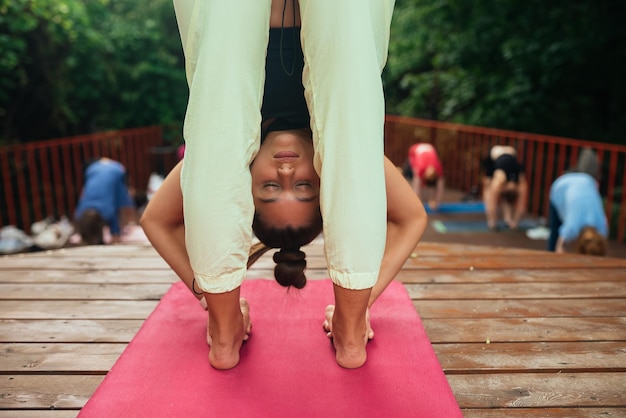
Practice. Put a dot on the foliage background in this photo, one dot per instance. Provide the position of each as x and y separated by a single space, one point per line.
77 66
552 67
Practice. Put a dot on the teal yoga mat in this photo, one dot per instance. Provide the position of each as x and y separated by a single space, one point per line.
458 207
459 226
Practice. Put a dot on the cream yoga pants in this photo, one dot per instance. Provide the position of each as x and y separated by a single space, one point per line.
345 46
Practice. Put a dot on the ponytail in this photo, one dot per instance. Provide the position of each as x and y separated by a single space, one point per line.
290 266
290 261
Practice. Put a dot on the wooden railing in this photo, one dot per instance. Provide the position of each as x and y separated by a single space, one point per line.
462 148
45 178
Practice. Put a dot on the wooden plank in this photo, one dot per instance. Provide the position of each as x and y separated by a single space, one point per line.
32 277
40 413
547 390
94 263
129 264
509 275
457 291
425 248
87 291
27 277
535 261
88 251
47 392
79 309
532 357
75 358
55 309
499 330
524 308
68 331
600 412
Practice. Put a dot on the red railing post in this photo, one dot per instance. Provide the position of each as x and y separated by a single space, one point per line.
9 198
35 184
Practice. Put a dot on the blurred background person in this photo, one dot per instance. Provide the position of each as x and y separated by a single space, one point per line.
577 215
427 174
505 188
104 201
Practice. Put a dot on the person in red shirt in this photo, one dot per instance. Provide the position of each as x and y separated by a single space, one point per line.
427 171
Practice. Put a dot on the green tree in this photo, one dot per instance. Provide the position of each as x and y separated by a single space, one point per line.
71 67
550 67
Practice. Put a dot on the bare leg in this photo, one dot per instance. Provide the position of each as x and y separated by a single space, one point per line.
348 76
247 323
227 328
405 226
507 215
349 326
328 322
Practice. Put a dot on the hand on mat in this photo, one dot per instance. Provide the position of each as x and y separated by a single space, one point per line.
328 322
247 323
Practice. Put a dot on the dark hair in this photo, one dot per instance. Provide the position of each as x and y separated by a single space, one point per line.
290 261
431 181
591 242
89 226
509 196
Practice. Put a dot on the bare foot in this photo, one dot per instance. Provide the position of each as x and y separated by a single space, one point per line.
328 322
348 325
349 343
224 355
245 311
227 328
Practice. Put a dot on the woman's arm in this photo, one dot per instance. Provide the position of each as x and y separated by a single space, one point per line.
416 183
522 200
163 224
441 185
491 192
406 222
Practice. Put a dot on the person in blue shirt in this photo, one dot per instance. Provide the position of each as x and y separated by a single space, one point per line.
577 215
102 199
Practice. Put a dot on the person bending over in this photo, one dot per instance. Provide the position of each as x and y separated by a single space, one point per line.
222 136
577 215
427 171
102 201
163 222
504 187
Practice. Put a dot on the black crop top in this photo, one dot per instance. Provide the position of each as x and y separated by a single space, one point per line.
283 97
507 163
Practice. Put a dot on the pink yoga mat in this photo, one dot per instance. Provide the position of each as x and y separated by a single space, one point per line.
287 366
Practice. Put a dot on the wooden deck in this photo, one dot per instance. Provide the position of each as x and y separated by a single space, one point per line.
518 332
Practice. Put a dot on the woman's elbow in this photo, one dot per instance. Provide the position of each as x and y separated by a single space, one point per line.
418 220
149 221
145 219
